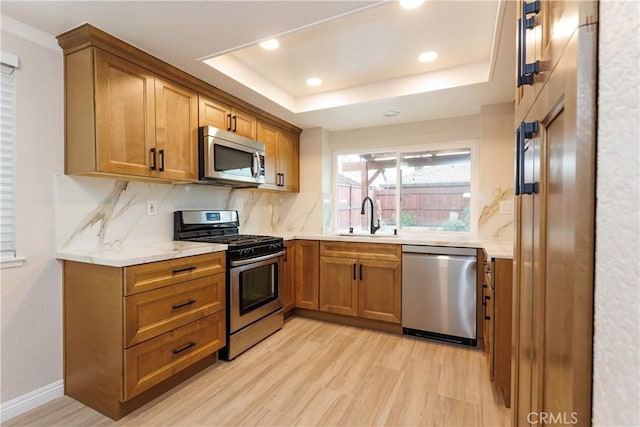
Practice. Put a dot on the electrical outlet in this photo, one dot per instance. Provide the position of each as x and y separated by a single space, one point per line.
506 207
152 207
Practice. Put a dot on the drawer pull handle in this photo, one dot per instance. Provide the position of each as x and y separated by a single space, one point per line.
182 270
183 348
184 304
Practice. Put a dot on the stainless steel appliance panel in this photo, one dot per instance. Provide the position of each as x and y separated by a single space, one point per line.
259 278
439 287
227 158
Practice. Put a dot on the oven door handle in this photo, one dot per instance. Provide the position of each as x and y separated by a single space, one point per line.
258 259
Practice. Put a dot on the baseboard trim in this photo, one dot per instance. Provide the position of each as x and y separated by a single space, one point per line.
31 400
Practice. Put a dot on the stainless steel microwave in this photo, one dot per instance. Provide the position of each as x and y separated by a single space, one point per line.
229 159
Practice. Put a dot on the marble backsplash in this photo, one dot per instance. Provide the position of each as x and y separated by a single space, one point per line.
494 223
102 213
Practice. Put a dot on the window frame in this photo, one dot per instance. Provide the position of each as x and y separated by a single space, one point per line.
10 65
471 143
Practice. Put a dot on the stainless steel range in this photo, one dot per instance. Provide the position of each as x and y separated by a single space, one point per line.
254 266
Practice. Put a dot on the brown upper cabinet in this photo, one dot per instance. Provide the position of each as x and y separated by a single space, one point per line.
282 157
544 28
122 119
141 125
227 118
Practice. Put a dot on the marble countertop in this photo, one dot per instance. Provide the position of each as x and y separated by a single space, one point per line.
494 248
125 255
498 249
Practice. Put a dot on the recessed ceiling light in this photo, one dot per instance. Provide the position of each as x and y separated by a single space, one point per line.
391 113
410 4
314 81
428 56
270 44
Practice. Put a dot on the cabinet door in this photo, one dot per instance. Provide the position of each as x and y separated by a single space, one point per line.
125 116
288 297
553 296
380 290
528 279
307 260
288 160
176 131
212 113
503 288
489 329
339 285
558 21
268 135
243 123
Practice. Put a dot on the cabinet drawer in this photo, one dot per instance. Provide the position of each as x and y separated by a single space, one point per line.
145 277
152 313
153 361
377 251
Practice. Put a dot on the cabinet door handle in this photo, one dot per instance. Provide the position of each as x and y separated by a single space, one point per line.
282 180
161 152
526 70
184 304
153 158
235 123
525 130
182 270
354 272
183 348
360 271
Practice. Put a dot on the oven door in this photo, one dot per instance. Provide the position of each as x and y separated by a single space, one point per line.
255 289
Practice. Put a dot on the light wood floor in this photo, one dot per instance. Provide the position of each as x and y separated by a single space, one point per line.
316 373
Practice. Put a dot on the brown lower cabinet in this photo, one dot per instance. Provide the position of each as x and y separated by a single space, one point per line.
361 280
132 332
306 277
497 291
288 278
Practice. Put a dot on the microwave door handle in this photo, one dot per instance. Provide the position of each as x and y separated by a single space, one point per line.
255 165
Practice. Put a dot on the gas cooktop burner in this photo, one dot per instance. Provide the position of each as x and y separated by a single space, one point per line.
222 227
236 239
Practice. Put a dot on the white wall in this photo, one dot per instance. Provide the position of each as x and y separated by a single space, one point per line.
31 295
616 380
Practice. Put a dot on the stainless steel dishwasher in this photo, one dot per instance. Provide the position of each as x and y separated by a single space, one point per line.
439 293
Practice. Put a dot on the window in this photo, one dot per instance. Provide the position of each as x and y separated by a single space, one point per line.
428 190
7 160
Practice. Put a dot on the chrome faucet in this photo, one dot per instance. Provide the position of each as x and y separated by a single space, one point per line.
374 228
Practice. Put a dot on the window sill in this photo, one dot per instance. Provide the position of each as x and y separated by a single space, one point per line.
12 262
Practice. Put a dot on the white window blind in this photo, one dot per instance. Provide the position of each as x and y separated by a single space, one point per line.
7 160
